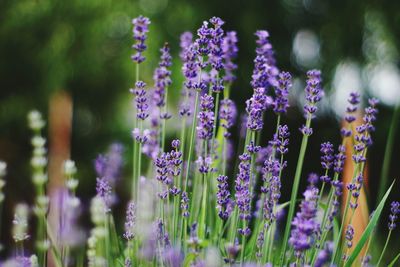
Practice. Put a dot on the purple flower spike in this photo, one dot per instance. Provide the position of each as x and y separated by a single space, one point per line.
186 41
327 155
304 224
140 100
281 102
281 140
203 42
242 187
162 77
349 235
339 160
325 255
140 30
394 212
255 107
108 169
185 205
265 70
230 50
173 257
130 221
312 179
313 92
206 118
223 195
190 66
216 52
227 115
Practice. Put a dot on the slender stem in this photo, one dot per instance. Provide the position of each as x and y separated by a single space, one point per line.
243 244
203 209
164 120
336 247
384 248
216 108
191 142
388 153
295 188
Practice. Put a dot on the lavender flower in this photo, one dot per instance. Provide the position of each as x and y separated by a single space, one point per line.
242 187
162 78
265 70
324 255
327 155
255 107
206 118
227 115
281 102
394 212
130 221
204 164
312 179
185 205
104 190
304 224
140 30
340 157
314 94
216 38
66 211
186 40
230 50
281 140
140 100
108 168
353 100
232 251
172 257
190 66
223 195
203 42
349 235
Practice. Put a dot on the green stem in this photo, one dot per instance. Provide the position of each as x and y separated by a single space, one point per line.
164 120
384 248
388 153
191 142
336 247
295 189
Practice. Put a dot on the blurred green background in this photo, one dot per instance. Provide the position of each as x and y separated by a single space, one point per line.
83 47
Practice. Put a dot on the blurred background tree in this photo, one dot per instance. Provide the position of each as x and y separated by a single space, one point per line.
83 47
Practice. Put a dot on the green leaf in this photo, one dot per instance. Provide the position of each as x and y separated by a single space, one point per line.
394 260
370 227
188 259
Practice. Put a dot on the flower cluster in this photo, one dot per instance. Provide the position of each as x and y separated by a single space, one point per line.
305 225
140 30
206 117
255 107
180 214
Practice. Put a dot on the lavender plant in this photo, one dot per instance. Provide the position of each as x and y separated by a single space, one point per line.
190 208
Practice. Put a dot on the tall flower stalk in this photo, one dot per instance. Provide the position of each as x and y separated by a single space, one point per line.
39 178
314 94
140 30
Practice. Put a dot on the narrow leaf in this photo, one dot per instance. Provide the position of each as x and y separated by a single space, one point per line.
370 227
394 260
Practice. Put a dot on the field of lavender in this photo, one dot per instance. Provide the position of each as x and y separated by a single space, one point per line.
201 199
